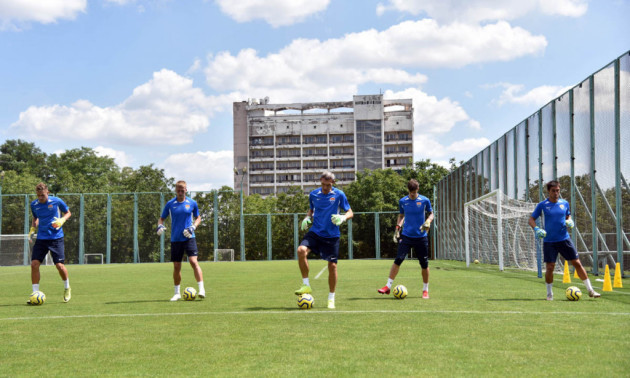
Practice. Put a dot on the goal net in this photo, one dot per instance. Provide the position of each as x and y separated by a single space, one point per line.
16 250
223 255
497 232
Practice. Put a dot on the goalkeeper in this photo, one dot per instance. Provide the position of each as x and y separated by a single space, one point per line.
417 214
323 237
49 215
556 237
182 209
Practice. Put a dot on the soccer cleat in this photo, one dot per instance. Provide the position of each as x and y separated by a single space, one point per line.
594 294
305 289
29 302
425 294
202 294
66 295
176 297
550 297
384 290
331 303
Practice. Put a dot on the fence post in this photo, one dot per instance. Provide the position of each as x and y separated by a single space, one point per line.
591 89
269 243
26 228
136 254
216 221
572 142
81 228
618 207
435 230
109 228
350 251
377 236
295 236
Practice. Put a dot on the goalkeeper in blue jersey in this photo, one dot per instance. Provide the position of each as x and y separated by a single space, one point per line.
556 237
185 219
323 237
49 214
417 214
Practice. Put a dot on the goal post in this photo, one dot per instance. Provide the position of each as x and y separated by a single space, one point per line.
497 232
223 255
15 250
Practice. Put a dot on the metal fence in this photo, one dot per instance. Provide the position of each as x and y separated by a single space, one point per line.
581 139
121 228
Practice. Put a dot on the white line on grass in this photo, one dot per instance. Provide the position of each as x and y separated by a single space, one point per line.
474 312
321 271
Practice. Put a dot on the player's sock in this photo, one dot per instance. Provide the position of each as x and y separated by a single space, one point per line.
549 290
588 285
66 284
201 288
176 289
390 282
331 296
425 286
305 281
35 287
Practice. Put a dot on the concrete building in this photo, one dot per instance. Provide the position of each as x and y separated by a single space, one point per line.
284 145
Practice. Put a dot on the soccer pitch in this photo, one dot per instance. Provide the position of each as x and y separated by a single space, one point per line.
478 322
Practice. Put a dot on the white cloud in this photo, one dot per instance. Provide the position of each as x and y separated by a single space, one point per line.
165 110
433 115
275 12
121 158
539 96
427 147
17 13
202 170
484 10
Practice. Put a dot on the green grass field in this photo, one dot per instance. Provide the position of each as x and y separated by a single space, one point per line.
478 322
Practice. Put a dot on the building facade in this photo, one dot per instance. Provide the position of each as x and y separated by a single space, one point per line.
284 145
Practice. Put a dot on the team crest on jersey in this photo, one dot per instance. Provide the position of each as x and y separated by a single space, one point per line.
418 204
50 206
332 199
187 207
562 207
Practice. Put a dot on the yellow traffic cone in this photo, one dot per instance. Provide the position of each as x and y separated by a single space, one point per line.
566 277
575 275
617 281
607 283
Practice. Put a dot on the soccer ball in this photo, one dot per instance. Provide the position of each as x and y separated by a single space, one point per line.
476 261
305 301
37 298
573 293
189 294
400 292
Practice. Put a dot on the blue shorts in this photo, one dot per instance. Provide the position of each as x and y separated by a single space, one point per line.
419 245
55 246
326 248
565 248
178 248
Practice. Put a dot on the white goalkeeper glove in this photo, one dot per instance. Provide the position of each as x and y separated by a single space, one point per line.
570 224
32 235
188 232
160 229
338 219
58 222
540 233
306 223
426 226
397 234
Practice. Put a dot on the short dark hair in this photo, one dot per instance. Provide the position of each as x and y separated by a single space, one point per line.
413 185
552 184
41 186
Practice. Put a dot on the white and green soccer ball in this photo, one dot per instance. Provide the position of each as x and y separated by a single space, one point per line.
400 292
189 294
37 298
305 301
573 293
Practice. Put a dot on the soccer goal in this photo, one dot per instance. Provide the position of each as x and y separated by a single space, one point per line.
497 232
16 250
223 255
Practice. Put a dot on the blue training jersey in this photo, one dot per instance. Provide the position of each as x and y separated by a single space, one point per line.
46 212
182 214
555 219
415 211
324 206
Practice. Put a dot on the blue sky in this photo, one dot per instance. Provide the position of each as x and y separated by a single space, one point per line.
154 81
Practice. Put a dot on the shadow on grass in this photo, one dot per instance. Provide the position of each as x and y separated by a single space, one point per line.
273 309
